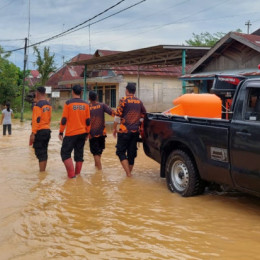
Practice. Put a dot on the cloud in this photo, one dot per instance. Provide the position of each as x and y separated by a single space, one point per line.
150 23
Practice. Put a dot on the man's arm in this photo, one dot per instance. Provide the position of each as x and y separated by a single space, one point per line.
118 115
63 121
36 115
109 110
115 127
88 126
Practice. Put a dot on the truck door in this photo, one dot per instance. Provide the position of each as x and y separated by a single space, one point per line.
245 138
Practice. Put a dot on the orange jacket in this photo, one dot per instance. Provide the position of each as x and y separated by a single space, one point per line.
41 116
75 117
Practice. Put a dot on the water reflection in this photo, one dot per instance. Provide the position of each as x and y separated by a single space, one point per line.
104 215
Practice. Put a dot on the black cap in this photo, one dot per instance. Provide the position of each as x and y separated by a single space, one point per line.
131 87
77 89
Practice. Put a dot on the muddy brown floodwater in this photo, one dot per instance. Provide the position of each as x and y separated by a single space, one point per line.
104 215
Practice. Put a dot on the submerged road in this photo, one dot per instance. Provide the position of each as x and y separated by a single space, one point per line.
104 215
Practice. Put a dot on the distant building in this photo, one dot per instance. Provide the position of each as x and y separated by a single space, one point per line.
158 87
235 53
33 78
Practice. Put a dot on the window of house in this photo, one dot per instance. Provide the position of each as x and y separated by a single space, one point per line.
110 95
100 94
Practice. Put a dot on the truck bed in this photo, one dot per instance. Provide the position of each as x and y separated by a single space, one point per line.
206 139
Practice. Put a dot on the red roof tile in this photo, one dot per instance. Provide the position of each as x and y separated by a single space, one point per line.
66 73
34 73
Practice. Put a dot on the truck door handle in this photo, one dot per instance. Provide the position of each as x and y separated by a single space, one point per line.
244 133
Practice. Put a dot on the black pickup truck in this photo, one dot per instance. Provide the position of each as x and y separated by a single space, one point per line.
195 152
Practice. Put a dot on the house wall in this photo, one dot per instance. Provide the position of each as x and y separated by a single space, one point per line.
157 93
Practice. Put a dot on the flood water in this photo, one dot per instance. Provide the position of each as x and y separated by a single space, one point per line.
104 215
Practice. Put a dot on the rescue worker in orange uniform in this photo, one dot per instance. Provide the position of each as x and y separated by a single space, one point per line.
76 120
98 131
128 114
41 133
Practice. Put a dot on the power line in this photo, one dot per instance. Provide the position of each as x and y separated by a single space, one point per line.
72 28
109 16
179 20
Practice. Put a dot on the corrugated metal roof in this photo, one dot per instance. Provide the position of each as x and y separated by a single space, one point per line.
81 56
101 53
211 75
162 55
255 39
170 71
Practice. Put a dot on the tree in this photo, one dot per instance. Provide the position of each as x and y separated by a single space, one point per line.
45 65
9 76
206 39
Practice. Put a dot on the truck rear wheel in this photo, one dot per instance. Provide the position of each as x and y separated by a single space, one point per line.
182 175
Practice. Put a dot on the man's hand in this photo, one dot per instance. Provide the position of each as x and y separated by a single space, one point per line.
61 136
32 138
114 133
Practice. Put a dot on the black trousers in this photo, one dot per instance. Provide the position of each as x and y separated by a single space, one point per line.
40 144
9 127
126 147
76 143
97 145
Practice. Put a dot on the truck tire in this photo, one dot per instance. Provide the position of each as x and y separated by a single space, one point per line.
182 175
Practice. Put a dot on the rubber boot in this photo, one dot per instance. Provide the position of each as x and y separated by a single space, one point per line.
70 168
78 167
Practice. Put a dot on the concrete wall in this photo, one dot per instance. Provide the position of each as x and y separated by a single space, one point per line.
157 93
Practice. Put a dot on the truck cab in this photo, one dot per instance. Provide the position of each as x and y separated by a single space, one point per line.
245 136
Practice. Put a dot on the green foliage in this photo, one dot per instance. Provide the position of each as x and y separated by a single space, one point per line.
9 76
45 64
205 39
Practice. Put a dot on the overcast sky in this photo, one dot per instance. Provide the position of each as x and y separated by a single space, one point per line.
150 23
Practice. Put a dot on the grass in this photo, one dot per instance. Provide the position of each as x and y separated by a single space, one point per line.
56 116
27 115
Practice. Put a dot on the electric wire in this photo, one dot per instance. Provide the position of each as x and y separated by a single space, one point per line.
70 29
100 20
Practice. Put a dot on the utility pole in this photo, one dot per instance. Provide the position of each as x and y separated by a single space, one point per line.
248 24
24 68
89 39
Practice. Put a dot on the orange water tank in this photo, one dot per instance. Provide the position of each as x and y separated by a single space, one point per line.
197 105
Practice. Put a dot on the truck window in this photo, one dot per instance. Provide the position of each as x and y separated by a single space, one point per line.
252 111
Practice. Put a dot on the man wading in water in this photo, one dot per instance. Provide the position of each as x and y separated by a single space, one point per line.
41 132
76 120
128 114
98 131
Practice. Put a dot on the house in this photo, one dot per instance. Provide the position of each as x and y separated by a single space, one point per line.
156 70
235 53
33 78
64 78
